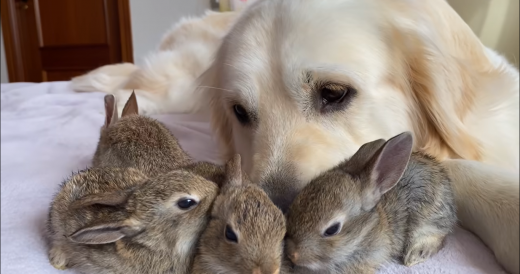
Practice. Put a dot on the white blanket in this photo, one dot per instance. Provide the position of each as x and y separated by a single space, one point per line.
48 131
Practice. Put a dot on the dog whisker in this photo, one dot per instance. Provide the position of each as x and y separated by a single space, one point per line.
223 89
228 64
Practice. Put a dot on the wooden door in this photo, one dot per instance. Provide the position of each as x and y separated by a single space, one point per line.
55 40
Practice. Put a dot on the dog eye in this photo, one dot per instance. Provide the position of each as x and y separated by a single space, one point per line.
186 203
332 230
241 114
230 235
334 97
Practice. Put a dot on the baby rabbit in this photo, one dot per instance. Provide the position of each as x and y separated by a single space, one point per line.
117 221
144 143
208 171
377 206
137 141
246 230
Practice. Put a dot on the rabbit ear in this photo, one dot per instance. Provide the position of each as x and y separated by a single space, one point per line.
365 153
110 110
386 167
106 233
109 198
234 171
130 106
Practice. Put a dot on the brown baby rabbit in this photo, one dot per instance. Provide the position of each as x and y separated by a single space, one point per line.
246 230
377 206
209 171
117 221
144 143
137 141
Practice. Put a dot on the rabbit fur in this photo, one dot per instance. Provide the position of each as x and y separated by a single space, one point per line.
385 203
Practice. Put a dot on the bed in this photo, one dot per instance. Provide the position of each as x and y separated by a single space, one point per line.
48 131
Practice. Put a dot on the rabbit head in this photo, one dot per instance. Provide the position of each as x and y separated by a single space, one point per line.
336 213
159 222
246 231
137 141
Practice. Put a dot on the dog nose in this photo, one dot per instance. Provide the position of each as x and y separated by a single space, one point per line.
282 188
283 200
294 257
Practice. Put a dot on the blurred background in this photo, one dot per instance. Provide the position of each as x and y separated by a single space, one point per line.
495 22
54 40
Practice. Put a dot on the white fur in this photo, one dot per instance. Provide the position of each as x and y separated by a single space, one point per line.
104 79
488 205
167 78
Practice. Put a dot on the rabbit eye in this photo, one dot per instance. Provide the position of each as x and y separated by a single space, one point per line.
332 230
230 235
186 203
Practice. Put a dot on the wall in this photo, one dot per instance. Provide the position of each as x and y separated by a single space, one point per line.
509 39
151 19
495 22
3 66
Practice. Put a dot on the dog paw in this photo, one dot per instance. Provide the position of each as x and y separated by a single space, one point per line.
58 258
421 251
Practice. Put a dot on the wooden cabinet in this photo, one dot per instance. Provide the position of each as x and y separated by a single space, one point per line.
54 40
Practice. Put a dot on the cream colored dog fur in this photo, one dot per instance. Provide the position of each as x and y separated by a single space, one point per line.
165 80
487 201
408 65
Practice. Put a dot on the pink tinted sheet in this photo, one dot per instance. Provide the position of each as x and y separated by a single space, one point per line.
48 131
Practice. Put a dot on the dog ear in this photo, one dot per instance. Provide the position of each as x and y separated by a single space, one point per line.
221 124
443 61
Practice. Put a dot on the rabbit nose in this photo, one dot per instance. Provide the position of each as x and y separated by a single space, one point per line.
258 270
294 257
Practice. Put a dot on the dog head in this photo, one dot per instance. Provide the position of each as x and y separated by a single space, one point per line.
299 86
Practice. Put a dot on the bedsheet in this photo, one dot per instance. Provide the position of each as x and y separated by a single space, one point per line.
48 131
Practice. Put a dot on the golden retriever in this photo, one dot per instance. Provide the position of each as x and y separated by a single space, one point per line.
299 85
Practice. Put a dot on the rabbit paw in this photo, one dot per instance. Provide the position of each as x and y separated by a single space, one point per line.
422 250
58 258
